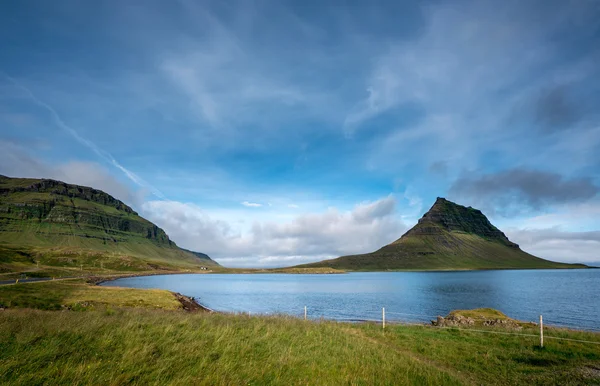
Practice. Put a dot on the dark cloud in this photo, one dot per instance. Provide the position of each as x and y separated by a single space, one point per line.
439 167
555 108
506 190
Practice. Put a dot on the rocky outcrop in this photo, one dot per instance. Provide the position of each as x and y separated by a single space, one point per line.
59 188
446 216
455 319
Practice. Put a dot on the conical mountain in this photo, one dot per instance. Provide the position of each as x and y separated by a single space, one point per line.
448 237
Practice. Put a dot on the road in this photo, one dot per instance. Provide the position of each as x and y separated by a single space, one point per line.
32 279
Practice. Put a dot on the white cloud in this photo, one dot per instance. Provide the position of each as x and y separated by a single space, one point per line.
104 155
16 162
292 206
557 245
308 237
251 204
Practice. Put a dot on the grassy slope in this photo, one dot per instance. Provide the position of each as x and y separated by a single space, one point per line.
446 251
154 347
76 232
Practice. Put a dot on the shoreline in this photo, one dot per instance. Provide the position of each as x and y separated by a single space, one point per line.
189 303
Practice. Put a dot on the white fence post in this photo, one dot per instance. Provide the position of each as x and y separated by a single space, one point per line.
383 317
304 312
541 332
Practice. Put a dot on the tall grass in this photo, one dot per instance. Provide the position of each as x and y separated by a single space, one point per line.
145 347
165 347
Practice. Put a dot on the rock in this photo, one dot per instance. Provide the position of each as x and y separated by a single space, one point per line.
457 320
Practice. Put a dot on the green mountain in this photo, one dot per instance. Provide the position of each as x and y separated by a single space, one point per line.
63 227
448 237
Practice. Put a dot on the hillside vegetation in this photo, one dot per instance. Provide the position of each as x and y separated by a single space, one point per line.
50 228
447 237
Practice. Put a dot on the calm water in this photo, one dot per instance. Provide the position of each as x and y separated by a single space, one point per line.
565 297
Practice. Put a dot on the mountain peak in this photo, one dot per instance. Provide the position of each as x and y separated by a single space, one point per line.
448 236
446 215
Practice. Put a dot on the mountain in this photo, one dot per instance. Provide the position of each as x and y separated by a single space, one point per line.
448 237
68 226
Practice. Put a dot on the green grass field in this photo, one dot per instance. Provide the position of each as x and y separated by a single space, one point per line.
119 336
167 347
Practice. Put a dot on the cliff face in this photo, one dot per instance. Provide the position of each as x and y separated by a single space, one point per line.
59 188
446 216
91 212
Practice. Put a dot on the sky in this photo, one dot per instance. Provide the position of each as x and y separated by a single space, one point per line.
272 133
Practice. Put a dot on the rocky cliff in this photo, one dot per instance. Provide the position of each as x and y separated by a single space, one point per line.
56 202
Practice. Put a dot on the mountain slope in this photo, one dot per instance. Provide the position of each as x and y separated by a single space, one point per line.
447 237
57 224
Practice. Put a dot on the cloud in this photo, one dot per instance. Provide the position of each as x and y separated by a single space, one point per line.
461 75
368 211
558 245
439 167
292 206
251 204
308 237
515 187
87 143
554 108
221 69
16 162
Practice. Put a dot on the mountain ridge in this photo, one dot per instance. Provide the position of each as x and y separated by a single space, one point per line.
66 225
448 236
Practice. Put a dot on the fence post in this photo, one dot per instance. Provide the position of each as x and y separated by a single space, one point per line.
383 317
304 312
541 332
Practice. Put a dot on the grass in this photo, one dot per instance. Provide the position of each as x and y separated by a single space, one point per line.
79 295
166 347
481 313
118 336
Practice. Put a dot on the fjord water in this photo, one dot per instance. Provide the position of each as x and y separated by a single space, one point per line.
569 298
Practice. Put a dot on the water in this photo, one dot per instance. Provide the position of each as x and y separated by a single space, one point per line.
569 298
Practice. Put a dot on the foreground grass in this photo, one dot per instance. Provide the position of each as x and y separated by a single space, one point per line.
123 335
165 347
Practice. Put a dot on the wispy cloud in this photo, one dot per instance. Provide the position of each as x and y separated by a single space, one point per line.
251 204
87 143
18 162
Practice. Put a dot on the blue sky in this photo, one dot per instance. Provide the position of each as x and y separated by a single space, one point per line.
274 133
